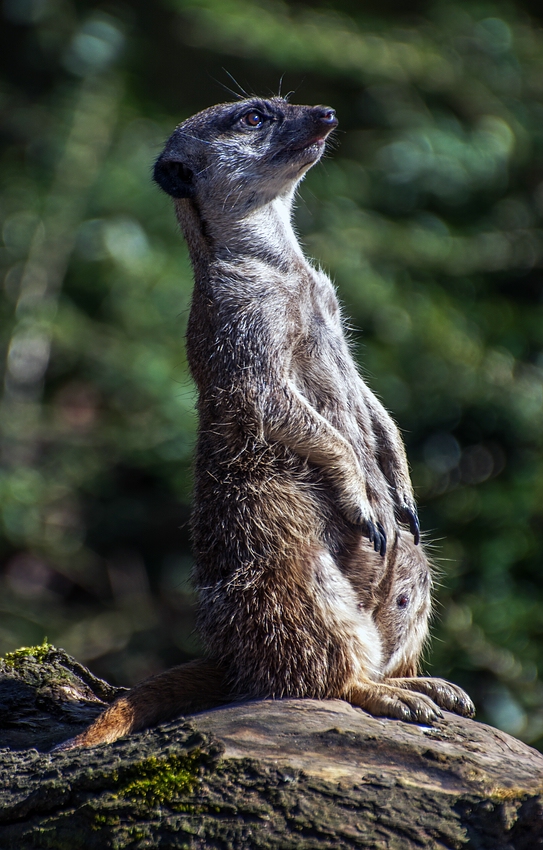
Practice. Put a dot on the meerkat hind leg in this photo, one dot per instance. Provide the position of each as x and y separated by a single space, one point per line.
384 700
445 694
414 700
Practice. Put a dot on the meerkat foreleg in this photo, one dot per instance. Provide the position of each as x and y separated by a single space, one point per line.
296 424
393 462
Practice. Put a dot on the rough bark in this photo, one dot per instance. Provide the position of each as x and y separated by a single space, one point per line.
284 774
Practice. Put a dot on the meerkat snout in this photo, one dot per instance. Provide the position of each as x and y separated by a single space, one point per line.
323 120
327 115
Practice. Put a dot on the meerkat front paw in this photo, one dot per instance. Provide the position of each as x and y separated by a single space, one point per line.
360 514
376 535
407 513
385 700
443 693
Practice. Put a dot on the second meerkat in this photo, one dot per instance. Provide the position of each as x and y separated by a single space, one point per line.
309 583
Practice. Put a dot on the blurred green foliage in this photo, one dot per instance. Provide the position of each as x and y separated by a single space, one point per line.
429 216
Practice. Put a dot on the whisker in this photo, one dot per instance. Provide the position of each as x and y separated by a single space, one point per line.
194 138
242 90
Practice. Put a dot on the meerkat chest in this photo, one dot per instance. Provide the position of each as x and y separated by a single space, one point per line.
322 365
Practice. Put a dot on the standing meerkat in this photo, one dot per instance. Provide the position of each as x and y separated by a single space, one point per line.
309 582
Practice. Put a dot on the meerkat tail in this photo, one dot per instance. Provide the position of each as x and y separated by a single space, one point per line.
195 686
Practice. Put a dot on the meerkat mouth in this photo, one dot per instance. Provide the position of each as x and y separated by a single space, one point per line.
308 154
317 142
304 153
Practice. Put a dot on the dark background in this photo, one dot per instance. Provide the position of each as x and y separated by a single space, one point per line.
428 213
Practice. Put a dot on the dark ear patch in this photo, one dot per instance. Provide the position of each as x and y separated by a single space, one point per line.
175 178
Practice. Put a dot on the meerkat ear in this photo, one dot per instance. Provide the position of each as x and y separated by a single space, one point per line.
174 177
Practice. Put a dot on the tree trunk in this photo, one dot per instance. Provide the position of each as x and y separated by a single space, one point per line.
267 774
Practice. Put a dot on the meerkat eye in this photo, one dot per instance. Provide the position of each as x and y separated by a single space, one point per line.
253 119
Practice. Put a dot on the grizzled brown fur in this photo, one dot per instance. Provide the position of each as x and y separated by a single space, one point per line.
309 583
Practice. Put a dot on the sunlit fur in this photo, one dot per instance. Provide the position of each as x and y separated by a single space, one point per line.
300 472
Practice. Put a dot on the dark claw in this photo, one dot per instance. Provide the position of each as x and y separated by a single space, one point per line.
411 518
383 542
377 536
465 707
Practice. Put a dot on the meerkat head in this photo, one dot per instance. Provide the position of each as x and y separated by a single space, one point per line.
235 157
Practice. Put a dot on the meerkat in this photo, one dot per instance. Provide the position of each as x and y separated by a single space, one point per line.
311 578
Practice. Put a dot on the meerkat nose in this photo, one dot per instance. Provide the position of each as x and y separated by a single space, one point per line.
327 116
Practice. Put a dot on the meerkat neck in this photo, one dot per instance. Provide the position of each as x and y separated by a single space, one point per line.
196 236
264 232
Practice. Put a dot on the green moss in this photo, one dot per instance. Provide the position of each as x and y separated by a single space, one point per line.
164 782
40 653
101 820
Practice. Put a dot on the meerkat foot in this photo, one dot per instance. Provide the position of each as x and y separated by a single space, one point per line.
443 693
384 700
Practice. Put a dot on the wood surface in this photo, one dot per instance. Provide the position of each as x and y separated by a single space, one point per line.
265 774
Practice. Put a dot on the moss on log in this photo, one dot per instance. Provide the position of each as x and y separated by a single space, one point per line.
284 774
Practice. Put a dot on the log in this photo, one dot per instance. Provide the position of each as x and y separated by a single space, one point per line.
266 774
